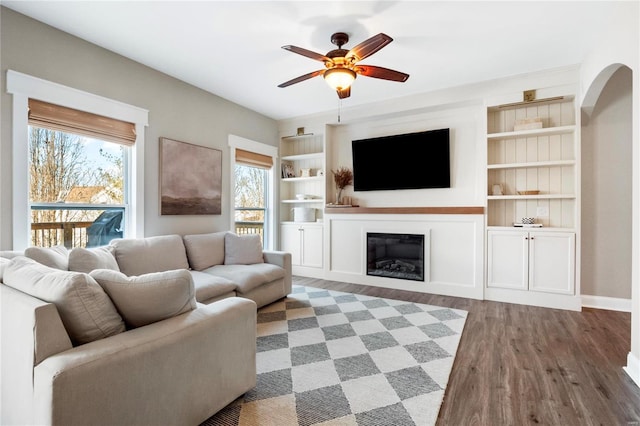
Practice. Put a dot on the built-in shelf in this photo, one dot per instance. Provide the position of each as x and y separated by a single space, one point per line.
303 159
532 133
301 136
307 201
531 197
558 163
309 156
302 179
520 228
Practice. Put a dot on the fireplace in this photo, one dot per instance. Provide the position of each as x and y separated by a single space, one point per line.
395 255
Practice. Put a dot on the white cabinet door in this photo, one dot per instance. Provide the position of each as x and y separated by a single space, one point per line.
312 246
290 236
507 259
552 262
304 242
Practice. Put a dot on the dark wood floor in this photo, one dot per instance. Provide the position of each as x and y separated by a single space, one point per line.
526 365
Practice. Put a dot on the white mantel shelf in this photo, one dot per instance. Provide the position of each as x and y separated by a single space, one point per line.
405 210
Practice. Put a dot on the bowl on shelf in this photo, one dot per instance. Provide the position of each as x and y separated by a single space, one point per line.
529 192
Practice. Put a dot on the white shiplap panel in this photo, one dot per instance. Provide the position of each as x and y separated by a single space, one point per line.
555 183
543 148
543 179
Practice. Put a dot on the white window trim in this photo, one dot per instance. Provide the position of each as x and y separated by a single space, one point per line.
23 87
237 142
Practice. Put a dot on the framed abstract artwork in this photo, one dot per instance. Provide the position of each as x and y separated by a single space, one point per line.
190 179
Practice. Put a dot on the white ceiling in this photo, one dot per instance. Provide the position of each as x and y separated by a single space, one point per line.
233 48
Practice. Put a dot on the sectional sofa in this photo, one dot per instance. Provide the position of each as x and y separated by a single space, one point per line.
143 331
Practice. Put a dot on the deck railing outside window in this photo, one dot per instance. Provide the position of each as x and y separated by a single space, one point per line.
107 222
85 233
252 221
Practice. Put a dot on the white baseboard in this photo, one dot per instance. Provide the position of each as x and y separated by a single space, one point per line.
633 368
610 303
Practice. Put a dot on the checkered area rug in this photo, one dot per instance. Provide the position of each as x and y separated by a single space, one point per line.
331 358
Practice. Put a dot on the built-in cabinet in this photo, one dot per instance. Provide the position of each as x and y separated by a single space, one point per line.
532 261
304 242
302 199
532 172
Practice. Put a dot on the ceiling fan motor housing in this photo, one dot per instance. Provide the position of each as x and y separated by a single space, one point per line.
339 39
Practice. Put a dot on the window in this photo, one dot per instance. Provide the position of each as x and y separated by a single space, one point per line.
253 177
250 200
76 189
108 119
76 176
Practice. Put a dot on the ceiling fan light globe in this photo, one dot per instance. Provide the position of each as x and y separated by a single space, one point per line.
339 78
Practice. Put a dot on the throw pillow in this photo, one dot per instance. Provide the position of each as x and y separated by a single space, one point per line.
242 250
85 309
139 256
86 260
148 298
205 250
53 257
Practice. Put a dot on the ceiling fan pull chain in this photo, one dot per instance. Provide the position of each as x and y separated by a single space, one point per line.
339 109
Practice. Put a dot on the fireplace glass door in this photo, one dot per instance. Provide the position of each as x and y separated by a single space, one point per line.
395 255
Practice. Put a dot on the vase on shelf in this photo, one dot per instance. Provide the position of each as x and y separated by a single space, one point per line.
339 196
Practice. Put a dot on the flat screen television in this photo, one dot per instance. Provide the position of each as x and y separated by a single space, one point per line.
408 161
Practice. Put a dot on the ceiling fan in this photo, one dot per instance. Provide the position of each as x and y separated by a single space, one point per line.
341 65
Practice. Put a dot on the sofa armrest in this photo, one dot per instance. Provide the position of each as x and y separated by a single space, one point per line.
177 371
31 332
282 259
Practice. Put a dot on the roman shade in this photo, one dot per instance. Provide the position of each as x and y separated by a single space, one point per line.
56 117
253 159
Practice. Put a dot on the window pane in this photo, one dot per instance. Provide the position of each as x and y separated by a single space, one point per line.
250 196
68 170
74 169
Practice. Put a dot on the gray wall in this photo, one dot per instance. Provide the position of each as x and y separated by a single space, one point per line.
176 110
606 192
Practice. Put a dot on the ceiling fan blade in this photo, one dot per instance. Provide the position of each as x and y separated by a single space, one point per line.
344 93
380 72
369 46
305 52
302 78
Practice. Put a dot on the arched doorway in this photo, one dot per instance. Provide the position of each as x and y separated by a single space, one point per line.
590 104
606 210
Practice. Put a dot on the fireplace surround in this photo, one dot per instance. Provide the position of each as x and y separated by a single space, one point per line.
395 255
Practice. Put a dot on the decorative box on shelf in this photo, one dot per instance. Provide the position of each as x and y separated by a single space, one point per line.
528 124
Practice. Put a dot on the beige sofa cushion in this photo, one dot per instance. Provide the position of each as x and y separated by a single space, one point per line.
148 298
85 309
210 286
138 256
248 277
53 257
86 260
205 250
242 249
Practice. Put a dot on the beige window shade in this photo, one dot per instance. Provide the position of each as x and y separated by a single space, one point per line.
253 159
56 117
